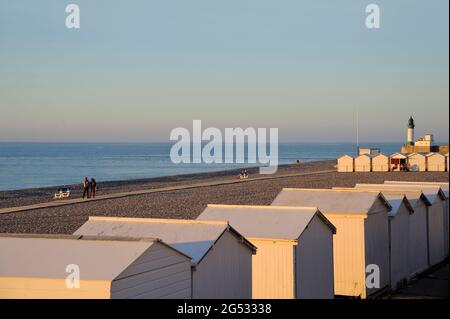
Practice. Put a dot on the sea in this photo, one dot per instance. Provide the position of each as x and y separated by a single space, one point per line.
31 165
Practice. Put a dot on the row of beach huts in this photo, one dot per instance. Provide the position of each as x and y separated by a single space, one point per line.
416 162
309 243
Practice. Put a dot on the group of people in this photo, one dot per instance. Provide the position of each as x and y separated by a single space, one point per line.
243 174
89 187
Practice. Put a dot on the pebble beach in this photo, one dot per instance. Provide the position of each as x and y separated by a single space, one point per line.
183 203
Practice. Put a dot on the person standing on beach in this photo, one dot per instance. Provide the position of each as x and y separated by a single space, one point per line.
93 186
85 187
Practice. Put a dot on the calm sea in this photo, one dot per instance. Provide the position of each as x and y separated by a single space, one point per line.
28 165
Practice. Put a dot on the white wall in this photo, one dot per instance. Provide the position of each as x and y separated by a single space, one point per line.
314 262
399 241
436 232
225 272
377 246
446 229
418 253
159 273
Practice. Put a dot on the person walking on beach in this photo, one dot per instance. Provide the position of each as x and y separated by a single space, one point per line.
93 186
85 187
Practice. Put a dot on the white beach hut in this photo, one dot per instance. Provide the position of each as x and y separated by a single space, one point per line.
435 217
445 188
362 235
398 162
399 236
418 231
38 266
345 164
417 162
221 257
380 163
436 162
363 163
294 256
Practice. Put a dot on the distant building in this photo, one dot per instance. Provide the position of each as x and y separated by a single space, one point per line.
369 151
427 141
423 144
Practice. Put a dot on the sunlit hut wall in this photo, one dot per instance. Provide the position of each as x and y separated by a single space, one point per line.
37 266
221 257
362 238
399 237
345 164
294 258
435 217
363 163
380 163
417 162
445 189
436 162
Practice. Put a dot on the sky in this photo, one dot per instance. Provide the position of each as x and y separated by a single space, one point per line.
137 69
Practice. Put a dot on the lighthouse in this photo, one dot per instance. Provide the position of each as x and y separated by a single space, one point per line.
411 126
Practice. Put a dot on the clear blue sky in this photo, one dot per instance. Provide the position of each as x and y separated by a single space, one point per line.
137 69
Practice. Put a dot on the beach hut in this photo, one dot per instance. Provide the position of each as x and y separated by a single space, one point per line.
380 163
363 163
221 257
399 238
445 189
345 164
294 258
435 217
418 231
436 162
417 162
398 162
362 235
69 267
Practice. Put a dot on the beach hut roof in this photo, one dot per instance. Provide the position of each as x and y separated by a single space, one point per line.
430 192
192 237
345 155
414 197
365 155
47 256
380 154
444 185
398 155
331 201
394 199
266 221
435 154
417 154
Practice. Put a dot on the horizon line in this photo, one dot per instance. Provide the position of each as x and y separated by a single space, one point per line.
173 142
